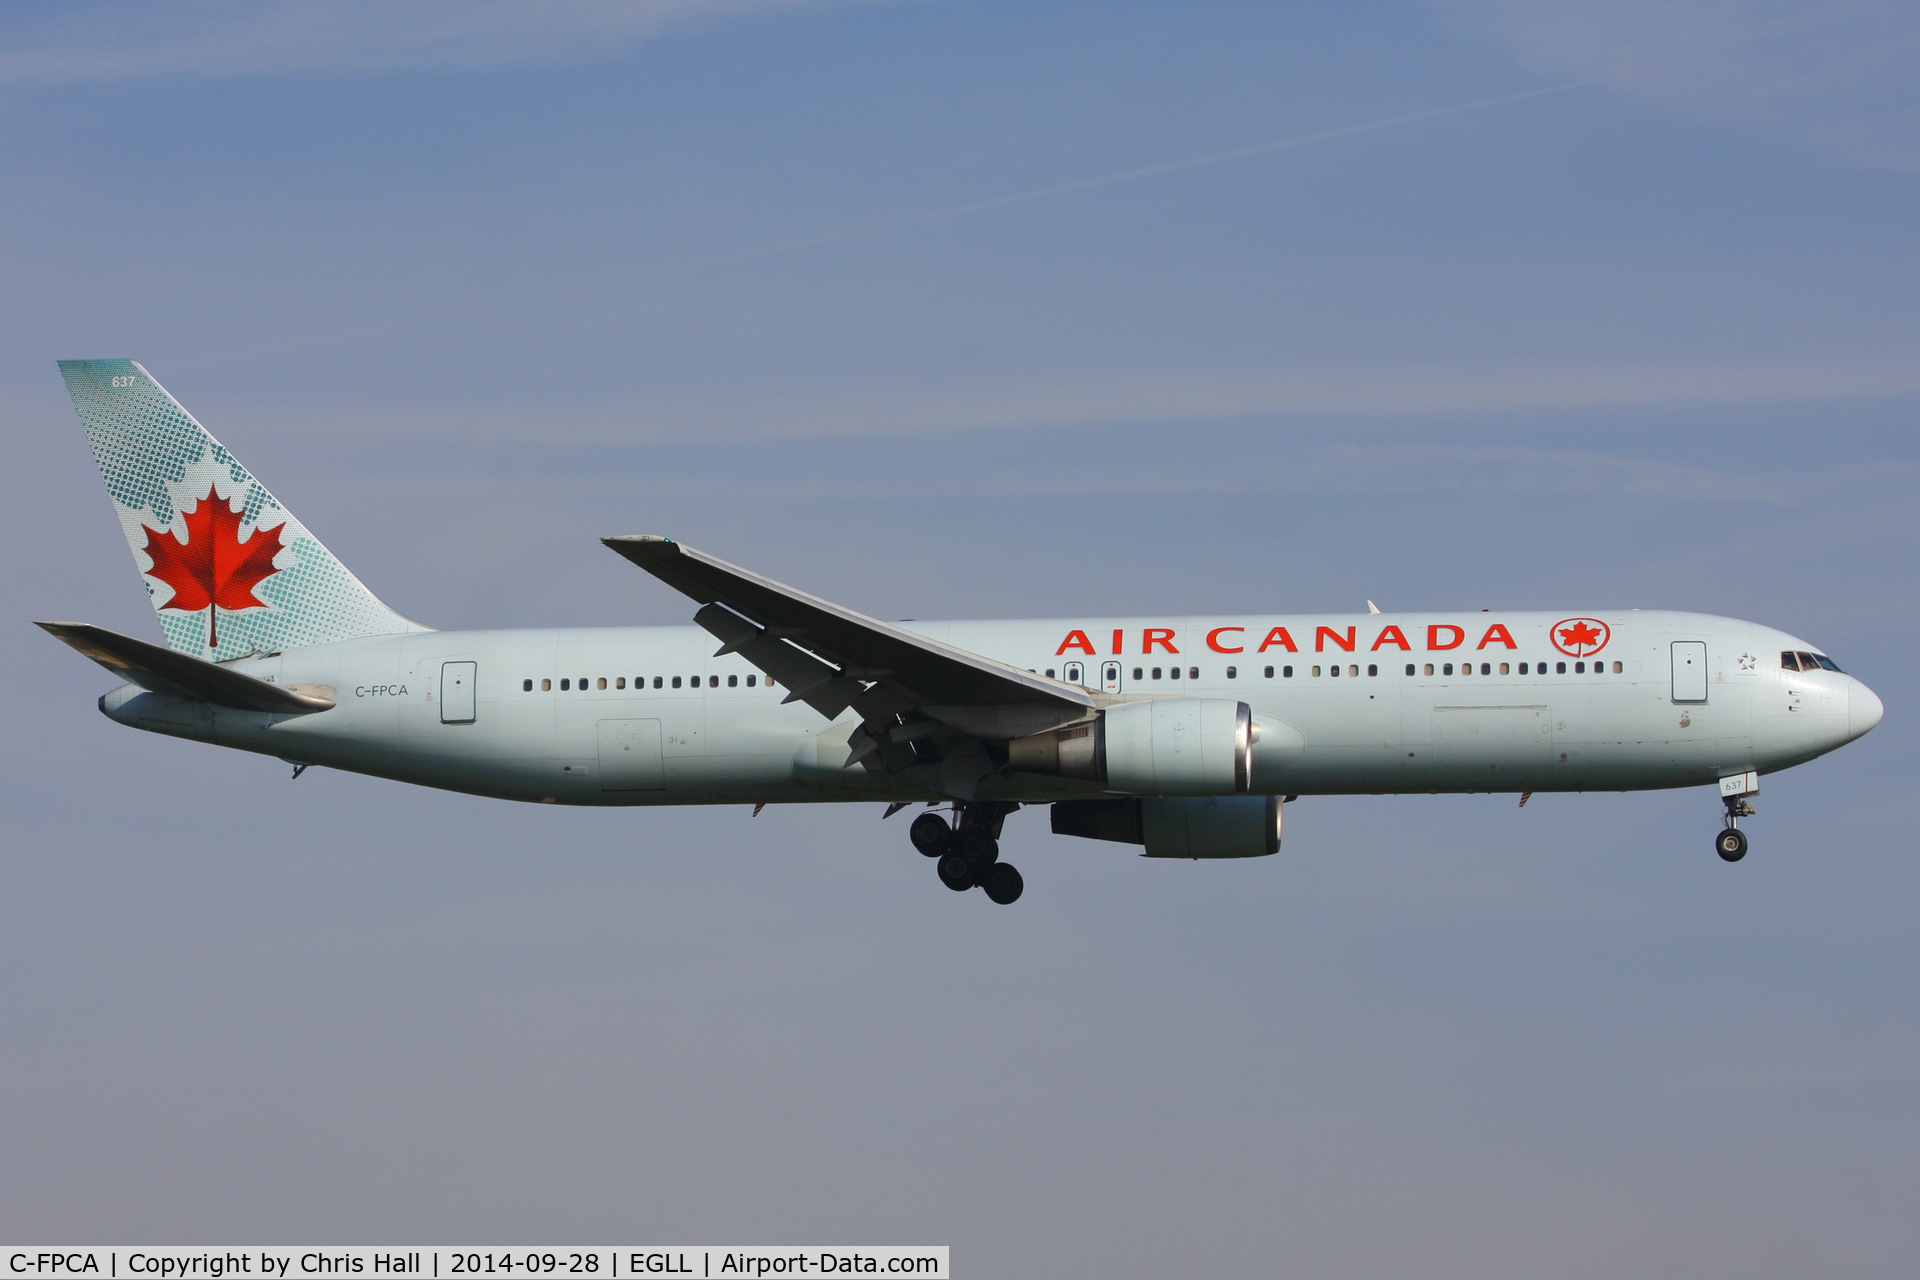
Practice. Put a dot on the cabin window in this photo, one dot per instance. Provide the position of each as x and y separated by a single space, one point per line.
526 686
1156 673
1447 670
1353 670
1193 673
546 686
603 682
1316 671
583 684
1617 668
733 682
1173 673
1269 673
1373 669
564 685
1049 673
1523 668
676 681
1560 668
1409 668
1233 673
1286 673
750 680
1429 668
1138 673
1486 668
1503 668
620 683
1579 668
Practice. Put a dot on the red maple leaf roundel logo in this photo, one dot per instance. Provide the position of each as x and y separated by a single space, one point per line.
1580 637
213 569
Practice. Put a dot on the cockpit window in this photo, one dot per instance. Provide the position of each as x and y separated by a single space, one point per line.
1801 660
1822 659
1790 660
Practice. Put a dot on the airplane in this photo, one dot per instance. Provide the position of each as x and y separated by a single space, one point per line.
1185 736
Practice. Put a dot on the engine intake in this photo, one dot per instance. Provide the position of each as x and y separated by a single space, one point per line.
1162 747
1178 827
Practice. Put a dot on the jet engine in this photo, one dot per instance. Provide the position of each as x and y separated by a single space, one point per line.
1178 826
1162 747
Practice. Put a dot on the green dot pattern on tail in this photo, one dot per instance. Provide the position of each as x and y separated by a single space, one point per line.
156 458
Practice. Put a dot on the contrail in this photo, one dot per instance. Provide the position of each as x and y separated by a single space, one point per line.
929 216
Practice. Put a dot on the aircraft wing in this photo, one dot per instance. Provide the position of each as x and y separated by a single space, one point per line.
832 658
163 670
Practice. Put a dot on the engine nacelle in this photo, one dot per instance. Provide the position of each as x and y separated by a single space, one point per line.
1178 827
1162 747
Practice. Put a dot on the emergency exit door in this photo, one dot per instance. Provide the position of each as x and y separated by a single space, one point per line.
1689 671
456 692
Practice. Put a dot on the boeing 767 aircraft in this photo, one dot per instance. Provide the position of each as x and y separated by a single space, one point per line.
1183 735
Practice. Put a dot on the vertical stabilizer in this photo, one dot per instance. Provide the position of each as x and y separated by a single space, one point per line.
229 570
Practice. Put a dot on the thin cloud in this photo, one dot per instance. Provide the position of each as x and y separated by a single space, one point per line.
117 40
927 217
1836 77
1373 470
1076 400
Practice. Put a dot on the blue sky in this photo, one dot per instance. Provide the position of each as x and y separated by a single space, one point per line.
863 295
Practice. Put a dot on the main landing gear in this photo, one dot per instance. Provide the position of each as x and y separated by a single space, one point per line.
1731 843
969 854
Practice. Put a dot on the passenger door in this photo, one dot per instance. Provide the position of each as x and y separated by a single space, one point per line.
457 700
1689 671
1110 677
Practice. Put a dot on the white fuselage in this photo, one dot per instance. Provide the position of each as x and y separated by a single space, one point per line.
647 715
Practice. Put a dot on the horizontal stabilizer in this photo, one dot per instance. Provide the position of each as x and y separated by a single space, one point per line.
164 670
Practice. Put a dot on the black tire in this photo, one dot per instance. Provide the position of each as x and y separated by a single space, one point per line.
930 834
955 873
1731 844
976 846
1003 884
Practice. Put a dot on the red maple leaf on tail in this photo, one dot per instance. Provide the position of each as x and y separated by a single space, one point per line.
213 569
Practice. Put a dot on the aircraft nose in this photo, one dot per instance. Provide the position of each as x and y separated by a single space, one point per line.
1864 709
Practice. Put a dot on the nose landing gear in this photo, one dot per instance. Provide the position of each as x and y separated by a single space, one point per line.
1736 793
1731 843
969 857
